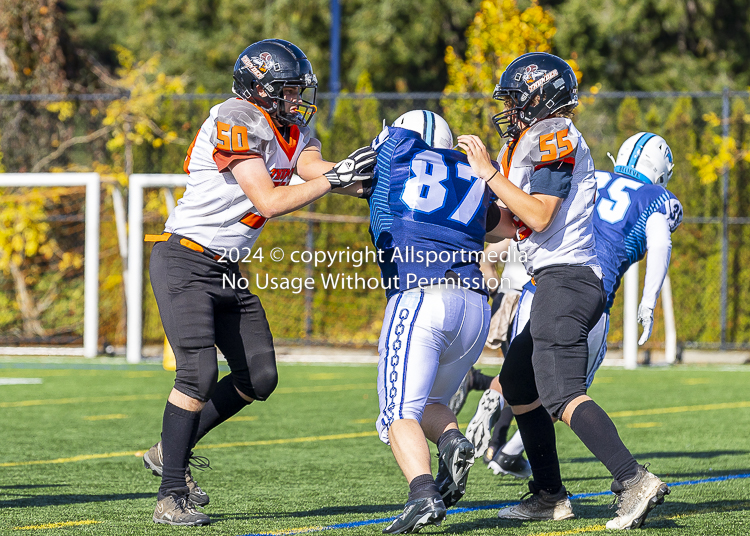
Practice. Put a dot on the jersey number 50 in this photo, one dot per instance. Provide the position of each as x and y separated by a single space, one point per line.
425 191
613 210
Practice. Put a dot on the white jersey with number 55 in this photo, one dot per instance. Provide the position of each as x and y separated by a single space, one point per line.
555 143
214 211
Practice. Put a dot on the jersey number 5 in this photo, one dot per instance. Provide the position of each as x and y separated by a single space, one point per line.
555 146
613 210
231 138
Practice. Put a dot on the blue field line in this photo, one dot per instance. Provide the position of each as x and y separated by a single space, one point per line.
355 524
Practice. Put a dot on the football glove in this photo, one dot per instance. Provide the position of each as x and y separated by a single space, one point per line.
522 232
645 319
358 166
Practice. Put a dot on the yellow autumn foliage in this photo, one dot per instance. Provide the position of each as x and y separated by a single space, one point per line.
500 32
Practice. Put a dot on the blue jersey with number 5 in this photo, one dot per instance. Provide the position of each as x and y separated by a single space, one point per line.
426 201
623 205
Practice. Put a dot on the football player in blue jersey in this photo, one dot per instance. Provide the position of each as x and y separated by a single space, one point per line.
428 217
548 184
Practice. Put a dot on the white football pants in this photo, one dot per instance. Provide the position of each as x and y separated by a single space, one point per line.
430 339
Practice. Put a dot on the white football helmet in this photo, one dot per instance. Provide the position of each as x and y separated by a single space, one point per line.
647 157
433 129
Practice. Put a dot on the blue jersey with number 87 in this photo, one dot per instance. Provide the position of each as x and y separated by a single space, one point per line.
425 204
623 205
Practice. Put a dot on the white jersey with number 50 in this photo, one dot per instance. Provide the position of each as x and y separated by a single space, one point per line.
214 211
569 239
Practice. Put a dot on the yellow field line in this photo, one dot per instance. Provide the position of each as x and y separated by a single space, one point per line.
592 528
81 400
85 457
109 417
285 441
57 525
680 409
290 532
325 388
132 398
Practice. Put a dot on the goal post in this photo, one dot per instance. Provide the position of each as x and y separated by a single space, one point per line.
92 183
137 183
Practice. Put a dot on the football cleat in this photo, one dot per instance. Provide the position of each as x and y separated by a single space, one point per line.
489 454
153 459
479 431
456 458
540 506
417 514
636 498
178 510
507 464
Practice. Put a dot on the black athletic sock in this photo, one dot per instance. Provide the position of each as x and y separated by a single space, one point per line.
421 487
447 436
177 432
538 435
225 403
597 431
479 381
500 433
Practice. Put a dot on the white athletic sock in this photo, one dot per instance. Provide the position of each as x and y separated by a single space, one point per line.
514 446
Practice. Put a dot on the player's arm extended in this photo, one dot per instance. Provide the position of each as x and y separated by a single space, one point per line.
536 210
504 228
252 176
659 247
310 165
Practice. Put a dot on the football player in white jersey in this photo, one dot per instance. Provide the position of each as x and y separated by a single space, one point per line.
547 183
634 214
239 166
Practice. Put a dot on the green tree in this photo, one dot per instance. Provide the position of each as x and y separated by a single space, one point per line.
657 44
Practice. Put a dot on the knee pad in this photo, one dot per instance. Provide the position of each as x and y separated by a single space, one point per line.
515 392
198 379
260 379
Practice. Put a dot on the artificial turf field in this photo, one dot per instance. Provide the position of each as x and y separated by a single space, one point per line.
309 459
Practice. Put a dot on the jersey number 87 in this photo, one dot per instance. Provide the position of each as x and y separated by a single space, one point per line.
426 190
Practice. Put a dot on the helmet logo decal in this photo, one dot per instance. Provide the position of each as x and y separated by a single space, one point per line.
264 62
252 68
537 79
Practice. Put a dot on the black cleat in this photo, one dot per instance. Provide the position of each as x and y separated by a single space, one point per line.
514 465
456 459
154 461
417 514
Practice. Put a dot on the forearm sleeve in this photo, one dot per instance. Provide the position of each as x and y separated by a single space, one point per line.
659 247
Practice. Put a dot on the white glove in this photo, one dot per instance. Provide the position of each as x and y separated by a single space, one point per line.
645 319
358 166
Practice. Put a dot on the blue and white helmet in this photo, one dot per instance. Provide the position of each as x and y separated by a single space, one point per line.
646 157
433 129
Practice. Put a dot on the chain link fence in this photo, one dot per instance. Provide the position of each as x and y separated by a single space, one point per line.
710 256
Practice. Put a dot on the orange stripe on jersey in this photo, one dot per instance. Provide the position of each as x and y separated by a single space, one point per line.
506 162
186 165
253 220
289 147
224 158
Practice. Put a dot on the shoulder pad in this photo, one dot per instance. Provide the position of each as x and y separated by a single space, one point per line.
550 140
241 128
